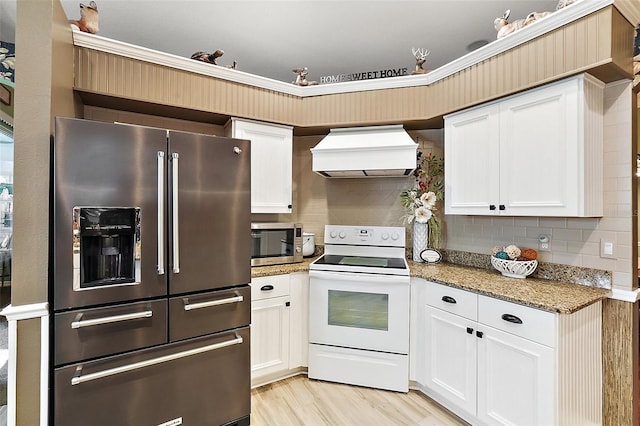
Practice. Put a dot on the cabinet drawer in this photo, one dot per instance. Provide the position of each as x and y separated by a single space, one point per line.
94 332
530 323
267 287
453 300
204 313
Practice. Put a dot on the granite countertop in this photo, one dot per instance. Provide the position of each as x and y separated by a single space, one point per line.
552 296
288 268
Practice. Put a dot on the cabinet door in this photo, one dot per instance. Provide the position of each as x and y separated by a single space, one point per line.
271 164
450 358
269 336
515 380
471 161
539 153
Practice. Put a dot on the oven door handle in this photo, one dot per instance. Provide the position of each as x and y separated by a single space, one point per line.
359 277
191 306
80 378
108 320
160 266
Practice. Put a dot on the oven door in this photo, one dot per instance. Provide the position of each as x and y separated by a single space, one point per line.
356 310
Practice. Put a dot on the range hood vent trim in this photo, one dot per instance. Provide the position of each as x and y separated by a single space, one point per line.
365 152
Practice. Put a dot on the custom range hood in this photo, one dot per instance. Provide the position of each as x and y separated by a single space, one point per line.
360 152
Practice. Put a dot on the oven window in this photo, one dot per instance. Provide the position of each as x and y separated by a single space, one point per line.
359 310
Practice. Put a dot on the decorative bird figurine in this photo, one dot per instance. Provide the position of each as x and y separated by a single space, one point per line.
88 18
208 57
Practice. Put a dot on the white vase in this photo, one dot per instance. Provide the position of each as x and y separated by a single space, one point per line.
420 239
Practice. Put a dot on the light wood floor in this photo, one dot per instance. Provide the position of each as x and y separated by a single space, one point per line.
300 401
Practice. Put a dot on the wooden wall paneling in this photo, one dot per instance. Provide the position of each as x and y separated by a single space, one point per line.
622 37
576 47
578 43
559 56
620 363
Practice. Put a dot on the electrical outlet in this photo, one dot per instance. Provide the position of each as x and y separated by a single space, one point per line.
607 249
544 243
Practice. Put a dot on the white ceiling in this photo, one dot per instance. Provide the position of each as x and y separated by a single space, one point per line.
270 38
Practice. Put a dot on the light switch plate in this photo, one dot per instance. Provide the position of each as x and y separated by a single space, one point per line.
607 249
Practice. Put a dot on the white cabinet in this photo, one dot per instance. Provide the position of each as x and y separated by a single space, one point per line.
538 153
279 326
495 362
270 318
515 380
451 354
271 163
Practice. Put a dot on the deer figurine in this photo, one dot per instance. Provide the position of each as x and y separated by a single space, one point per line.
88 18
301 79
503 27
421 58
533 17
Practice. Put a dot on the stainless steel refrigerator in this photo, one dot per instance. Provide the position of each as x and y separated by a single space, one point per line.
150 267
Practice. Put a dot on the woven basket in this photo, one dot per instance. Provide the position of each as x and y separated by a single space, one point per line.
514 268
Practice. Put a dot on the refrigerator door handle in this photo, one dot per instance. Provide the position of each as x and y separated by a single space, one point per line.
191 306
176 249
80 378
78 323
160 213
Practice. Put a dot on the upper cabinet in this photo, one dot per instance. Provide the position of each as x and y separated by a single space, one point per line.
271 163
538 153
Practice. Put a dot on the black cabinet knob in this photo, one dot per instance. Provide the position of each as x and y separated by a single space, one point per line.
479 334
492 206
469 330
266 287
502 207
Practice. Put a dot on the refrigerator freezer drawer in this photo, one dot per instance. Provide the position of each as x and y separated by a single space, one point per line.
202 381
90 333
210 312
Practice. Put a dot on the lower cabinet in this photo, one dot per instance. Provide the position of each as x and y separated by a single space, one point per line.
494 362
278 326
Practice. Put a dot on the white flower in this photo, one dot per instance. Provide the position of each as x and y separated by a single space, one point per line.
423 214
428 199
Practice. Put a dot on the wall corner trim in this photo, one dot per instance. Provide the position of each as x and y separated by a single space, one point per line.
23 312
631 296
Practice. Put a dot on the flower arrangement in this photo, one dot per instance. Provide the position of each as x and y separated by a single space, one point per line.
7 62
421 200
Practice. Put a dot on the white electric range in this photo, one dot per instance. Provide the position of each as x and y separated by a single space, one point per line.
359 308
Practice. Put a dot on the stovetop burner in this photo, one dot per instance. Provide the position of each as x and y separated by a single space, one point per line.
363 249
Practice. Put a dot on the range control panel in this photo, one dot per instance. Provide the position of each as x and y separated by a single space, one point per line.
382 236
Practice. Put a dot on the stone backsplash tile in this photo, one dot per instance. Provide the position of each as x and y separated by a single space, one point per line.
545 270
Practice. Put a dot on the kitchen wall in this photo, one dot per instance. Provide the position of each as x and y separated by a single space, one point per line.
574 241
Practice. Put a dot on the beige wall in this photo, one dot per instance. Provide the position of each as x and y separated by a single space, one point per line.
574 241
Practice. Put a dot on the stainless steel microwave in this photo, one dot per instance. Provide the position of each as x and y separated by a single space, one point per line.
274 243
